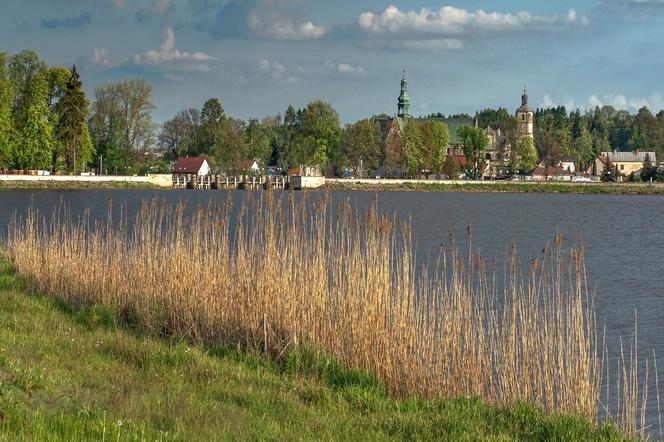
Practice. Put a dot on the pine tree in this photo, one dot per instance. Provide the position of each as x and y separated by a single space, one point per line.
648 171
609 172
72 131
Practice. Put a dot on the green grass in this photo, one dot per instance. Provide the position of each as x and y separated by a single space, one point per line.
507 186
80 374
75 185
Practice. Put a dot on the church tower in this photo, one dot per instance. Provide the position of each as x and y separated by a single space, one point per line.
525 119
404 99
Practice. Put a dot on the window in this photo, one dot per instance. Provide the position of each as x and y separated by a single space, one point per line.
622 167
488 156
523 117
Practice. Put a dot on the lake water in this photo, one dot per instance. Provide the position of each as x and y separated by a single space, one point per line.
623 237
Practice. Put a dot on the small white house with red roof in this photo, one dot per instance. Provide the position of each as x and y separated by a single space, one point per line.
191 166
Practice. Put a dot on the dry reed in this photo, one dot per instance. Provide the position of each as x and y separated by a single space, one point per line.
273 273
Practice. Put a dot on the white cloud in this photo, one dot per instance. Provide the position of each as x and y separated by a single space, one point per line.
655 102
100 58
277 72
449 20
436 44
345 68
168 54
547 102
281 20
285 30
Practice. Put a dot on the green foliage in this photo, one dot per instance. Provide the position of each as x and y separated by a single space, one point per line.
361 141
524 157
474 142
317 138
413 148
258 142
435 137
72 131
121 126
6 128
33 147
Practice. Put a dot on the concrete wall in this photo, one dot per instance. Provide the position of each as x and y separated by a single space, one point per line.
158 180
307 182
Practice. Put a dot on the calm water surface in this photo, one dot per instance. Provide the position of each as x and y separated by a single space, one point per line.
623 237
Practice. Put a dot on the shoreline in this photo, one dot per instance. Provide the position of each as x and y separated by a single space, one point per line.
495 187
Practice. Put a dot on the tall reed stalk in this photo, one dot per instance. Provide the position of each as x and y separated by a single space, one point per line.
275 273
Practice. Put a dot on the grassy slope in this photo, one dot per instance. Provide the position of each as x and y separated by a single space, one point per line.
79 375
507 186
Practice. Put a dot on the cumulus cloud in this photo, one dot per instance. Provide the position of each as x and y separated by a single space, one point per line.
654 102
346 69
168 53
547 102
67 23
99 57
280 19
449 20
277 72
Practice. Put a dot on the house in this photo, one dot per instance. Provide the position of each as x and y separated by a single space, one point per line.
567 163
626 163
545 173
246 167
191 166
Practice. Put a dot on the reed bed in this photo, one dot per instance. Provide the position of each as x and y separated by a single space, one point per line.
276 273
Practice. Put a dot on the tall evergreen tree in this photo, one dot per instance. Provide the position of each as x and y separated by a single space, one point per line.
71 131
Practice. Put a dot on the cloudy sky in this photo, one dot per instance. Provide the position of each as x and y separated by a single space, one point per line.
258 56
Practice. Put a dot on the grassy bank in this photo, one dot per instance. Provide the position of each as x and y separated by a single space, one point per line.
503 186
71 373
59 185
345 282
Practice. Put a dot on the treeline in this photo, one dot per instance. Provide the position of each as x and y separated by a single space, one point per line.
47 122
583 136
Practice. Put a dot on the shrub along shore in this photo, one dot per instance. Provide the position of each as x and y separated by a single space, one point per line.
86 373
497 186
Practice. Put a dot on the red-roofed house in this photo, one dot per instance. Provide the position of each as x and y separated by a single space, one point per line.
191 166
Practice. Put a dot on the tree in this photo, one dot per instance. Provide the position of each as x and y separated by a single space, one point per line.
413 148
474 142
6 128
610 172
34 149
435 137
648 170
450 167
583 148
317 135
23 68
524 156
395 157
361 142
258 142
181 135
71 131
121 124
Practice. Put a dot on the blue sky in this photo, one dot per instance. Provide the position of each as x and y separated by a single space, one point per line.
258 56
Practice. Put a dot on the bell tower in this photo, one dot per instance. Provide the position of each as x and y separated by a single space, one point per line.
525 119
403 104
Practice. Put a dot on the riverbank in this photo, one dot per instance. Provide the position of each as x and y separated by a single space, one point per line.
494 186
88 373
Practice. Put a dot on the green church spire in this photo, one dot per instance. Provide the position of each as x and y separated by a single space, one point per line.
404 98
